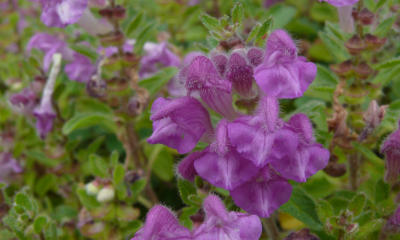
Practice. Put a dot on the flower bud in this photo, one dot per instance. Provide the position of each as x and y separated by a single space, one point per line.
119 12
372 118
391 148
112 39
363 70
355 45
351 228
392 226
335 169
344 69
106 12
106 194
92 188
374 43
220 61
365 17
255 56
241 75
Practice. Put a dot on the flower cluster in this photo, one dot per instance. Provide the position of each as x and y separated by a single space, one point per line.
391 148
161 223
252 156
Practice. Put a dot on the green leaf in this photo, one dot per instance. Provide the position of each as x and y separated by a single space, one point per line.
114 158
302 207
2 185
50 232
386 75
335 47
394 62
218 35
187 188
88 120
211 23
382 191
264 29
164 161
380 4
118 174
45 183
89 202
324 210
357 204
154 83
84 50
41 158
137 187
368 154
368 228
237 14
22 200
127 213
92 105
98 166
202 48
323 12
134 24
39 223
144 36
253 32
385 26
184 218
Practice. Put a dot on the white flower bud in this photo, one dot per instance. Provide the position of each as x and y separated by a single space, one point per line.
106 195
92 189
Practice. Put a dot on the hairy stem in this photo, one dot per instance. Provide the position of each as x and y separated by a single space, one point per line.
271 228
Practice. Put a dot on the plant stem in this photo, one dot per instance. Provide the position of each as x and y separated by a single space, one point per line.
133 145
341 234
271 228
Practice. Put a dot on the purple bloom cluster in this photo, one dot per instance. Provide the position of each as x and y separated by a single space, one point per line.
340 3
161 223
391 148
252 156
8 166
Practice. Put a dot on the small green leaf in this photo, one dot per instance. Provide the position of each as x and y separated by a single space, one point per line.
379 4
324 210
302 207
335 47
19 209
253 32
98 166
88 120
211 23
385 26
154 83
202 48
368 228
41 158
89 202
186 189
382 191
394 62
264 29
50 231
224 23
184 218
144 36
137 187
118 174
127 213
114 158
368 154
195 199
45 183
218 35
357 204
22 200
237 14
134 24
2 185
84 50
39 223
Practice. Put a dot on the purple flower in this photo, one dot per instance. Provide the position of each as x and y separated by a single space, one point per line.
202 78
391 148
111 50
24 102
60 13
220 61
283 74
92 25
308 158
8 166
157 53
220 224
186 167
44 113
97 3
50 45
161 224
265 137
262 194
81 69
241 75
189 58
221 164
180 123
340 3
255 56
